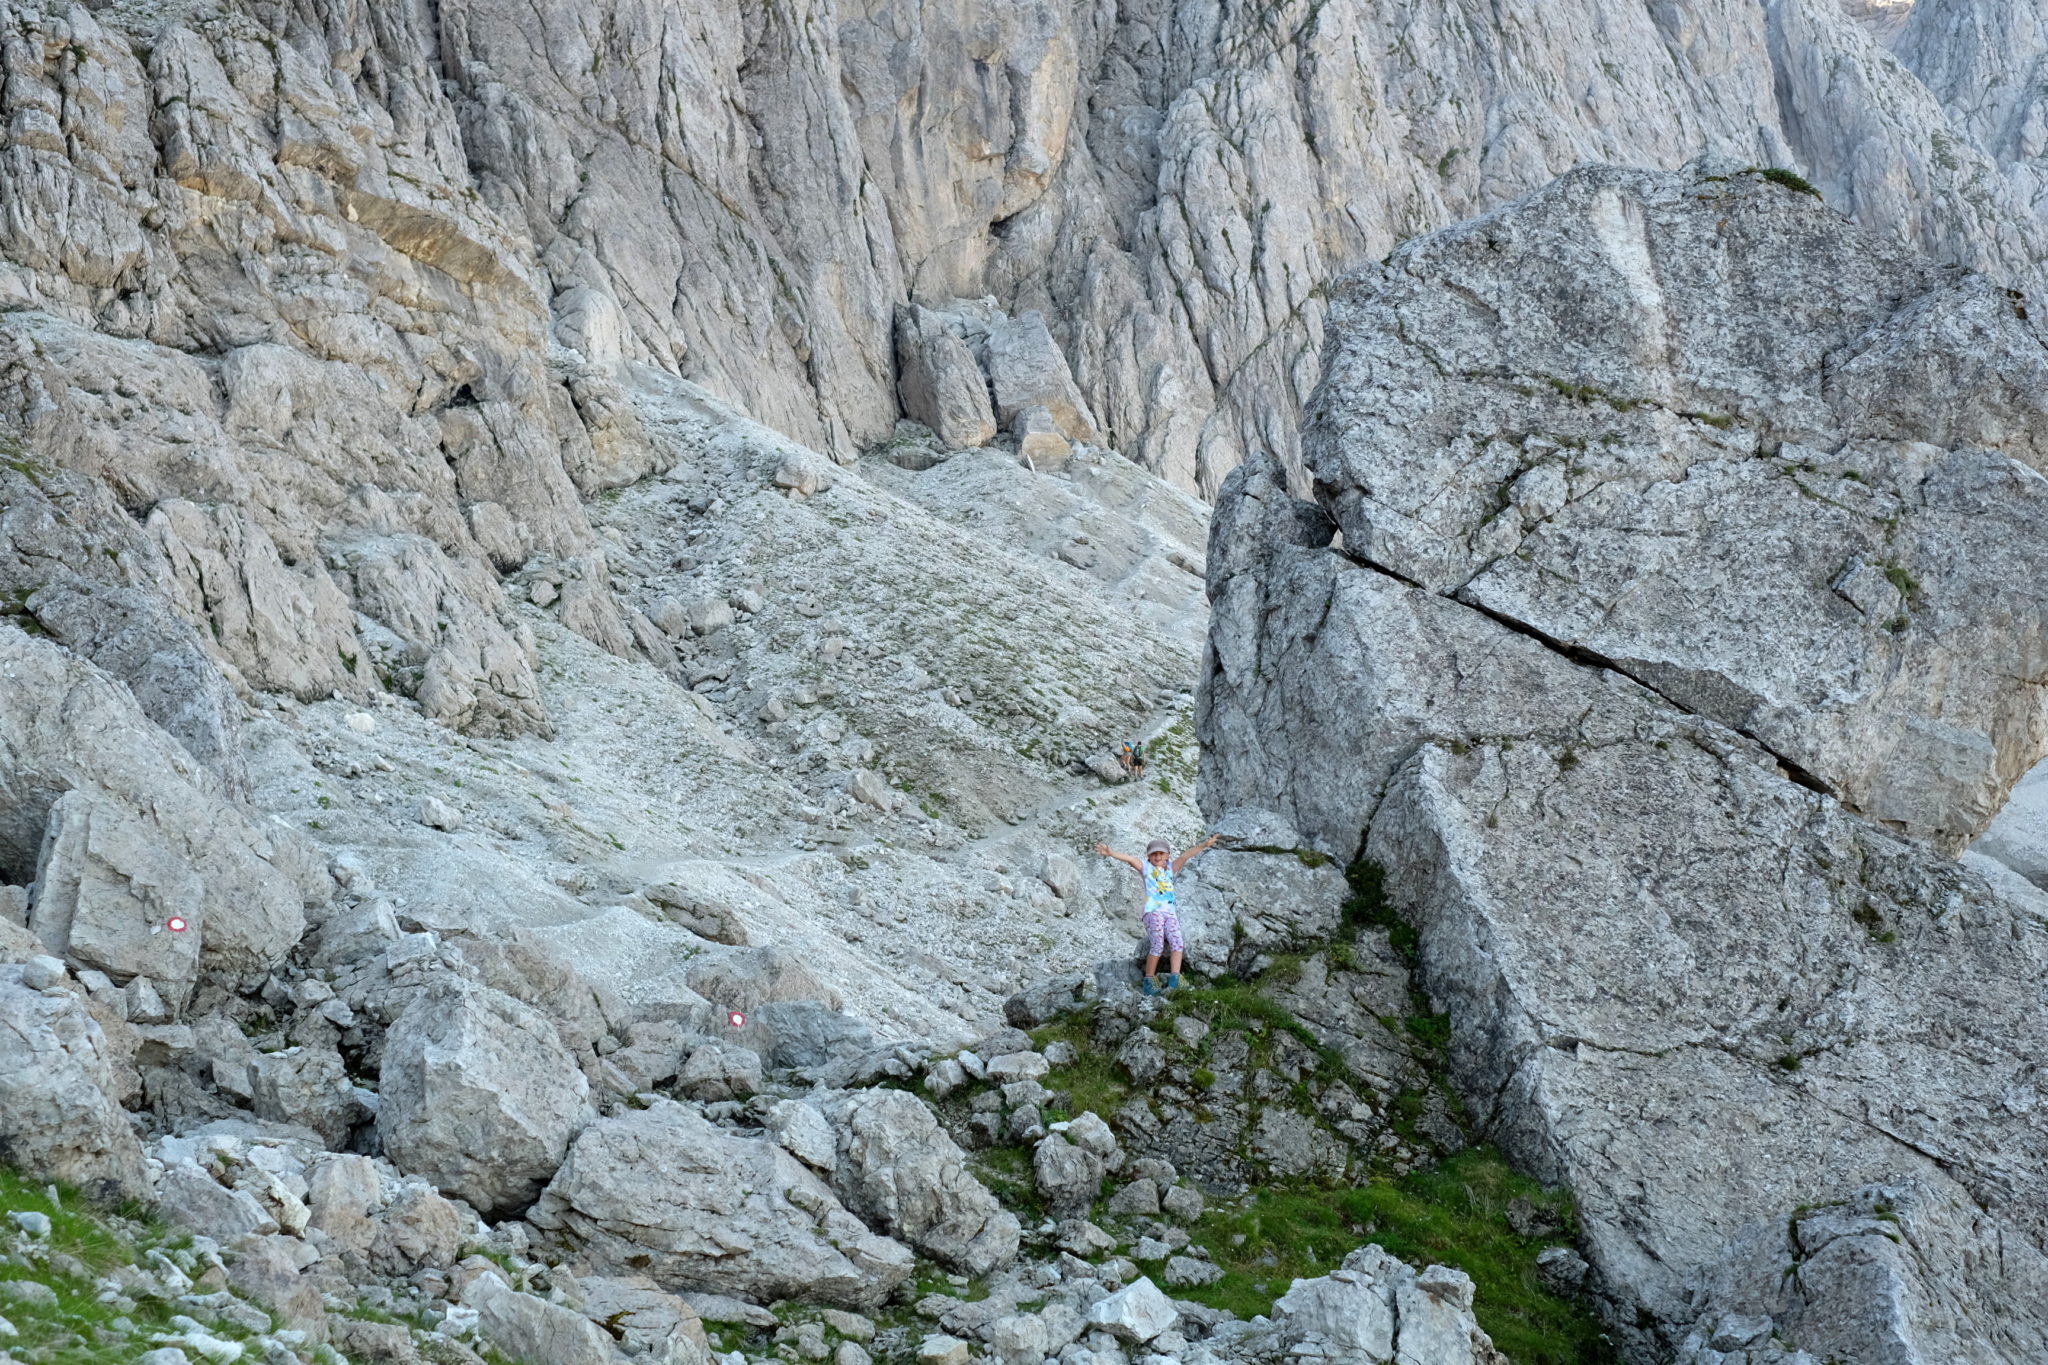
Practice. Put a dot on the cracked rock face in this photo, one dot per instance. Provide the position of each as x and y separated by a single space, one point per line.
1780 471
1681 980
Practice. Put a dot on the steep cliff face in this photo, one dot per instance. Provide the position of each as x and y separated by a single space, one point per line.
745 197
1656 672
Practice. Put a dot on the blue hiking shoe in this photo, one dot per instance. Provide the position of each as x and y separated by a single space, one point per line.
1148 986
1173 981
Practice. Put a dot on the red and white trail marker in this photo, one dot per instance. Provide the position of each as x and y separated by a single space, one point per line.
736 1019
176 924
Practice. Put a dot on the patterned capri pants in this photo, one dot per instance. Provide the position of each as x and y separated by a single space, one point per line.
1162 930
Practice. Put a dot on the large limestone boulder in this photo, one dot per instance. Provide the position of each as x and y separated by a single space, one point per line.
525 1327
478 1094
1026 370
940 382
1681 980
662 1192
901 1171
57 1118
1784 472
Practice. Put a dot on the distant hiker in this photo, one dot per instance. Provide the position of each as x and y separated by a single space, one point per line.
1162 918
1132 759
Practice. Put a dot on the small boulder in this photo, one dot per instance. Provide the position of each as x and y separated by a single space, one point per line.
524 1327
1068 1177
1140 1198
944 1075
720 1071
1091 1134
940 1349
308 1085
1182 1202
671 616
709 614
417 1228
1136 1313
1043 1001
1017 1066
187 1195
263 1269
1188 1272
435 813
1563 1269
869 788
1061 875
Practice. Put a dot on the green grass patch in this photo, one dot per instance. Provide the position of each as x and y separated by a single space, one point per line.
1007 1172
1908 586
77 1329
1367 907
1092 1081
1791 180
1454 1214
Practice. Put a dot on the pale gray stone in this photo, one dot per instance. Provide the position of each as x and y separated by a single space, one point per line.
900 1170
126 835
1783 952
1069 1177
307 1085
720 1071
939 382
1027 371
187 1195
58 1118
804 1132
1136 1313
435 813
525 1327
478 1094
661 1191
1702 556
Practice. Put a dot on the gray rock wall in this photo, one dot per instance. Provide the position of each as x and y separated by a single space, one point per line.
400 209
1702 967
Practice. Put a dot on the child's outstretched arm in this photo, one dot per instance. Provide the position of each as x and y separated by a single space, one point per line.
1106 851
1189 855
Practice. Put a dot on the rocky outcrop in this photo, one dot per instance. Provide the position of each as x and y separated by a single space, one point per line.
58 1118
1775 469
1591 682
662 1192
1375 1309
125 833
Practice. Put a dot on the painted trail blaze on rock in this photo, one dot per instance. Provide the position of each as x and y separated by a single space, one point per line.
1687 617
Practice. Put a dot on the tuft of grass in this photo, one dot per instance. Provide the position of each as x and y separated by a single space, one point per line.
1093 1081
1454 1214
1900 578
1791 180
1367 907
